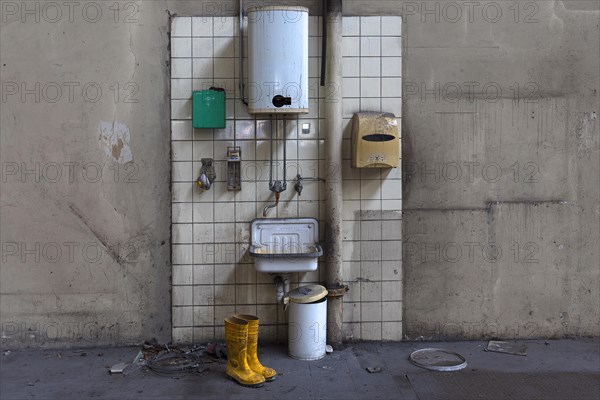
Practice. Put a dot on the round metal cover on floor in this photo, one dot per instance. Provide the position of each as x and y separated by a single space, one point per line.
438 360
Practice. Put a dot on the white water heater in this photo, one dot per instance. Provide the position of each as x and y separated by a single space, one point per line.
277 60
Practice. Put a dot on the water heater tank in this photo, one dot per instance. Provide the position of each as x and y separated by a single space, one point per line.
277 59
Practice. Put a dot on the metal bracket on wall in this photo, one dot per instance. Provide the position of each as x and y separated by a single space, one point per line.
234 168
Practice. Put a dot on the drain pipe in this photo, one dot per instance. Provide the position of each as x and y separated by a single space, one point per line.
333 186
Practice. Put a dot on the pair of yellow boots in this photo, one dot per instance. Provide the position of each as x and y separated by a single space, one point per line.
241 337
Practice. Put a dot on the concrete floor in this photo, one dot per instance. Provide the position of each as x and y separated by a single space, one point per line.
562 369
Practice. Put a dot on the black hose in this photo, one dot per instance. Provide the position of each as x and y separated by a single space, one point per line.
324 44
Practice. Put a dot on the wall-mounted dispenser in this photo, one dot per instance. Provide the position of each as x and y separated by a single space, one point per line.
277 59
375 140
234 168
208 108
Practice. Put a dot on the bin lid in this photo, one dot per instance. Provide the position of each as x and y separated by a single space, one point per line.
308 294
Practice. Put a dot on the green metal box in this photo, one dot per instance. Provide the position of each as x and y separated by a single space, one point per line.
208 108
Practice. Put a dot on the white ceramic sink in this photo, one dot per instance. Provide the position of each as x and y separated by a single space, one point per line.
285 245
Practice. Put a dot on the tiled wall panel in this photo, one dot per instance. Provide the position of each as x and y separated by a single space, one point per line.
213 276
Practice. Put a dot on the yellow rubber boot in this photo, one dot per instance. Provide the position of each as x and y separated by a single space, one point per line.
236 337
255 365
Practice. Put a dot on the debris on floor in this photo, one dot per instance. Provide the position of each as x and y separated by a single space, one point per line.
170 363
118 368
517 349
168 359
373 370
328 349
438 360
216 350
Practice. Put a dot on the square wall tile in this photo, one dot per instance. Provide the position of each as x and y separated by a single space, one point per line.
370 46
351 26
181 171
181 26
391 270
224 212
370 104
314 25
203 47
391 47
370 26
224 26
371 311
391 250
183 335
223 47
351 190
370 67
391 66
351 251
224 274
202 26
181 68
391 87
391 291
181 47
181 130
203 315
203 274
392 230
350 107
245 294
203 68
181 88
370 331
181 253
391 331
204 295
225 294
370 250
181 233
182 295
351 87
351 331
182 316
391 189
351 270
181 212
370 87
371 291
351 67
393 105
181 109
182 275
351 46
352 312
391 311
391 26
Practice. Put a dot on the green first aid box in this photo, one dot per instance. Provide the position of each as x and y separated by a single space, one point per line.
208 108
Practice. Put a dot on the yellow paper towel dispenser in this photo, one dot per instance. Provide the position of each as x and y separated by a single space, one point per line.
375 140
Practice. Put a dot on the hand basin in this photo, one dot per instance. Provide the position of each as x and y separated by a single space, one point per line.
284 245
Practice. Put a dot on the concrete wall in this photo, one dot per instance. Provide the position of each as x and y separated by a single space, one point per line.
123 296
86 257
501 181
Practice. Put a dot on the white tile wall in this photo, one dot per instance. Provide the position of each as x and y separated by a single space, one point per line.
213 277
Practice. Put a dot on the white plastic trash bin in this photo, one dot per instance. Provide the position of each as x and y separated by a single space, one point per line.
307 323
